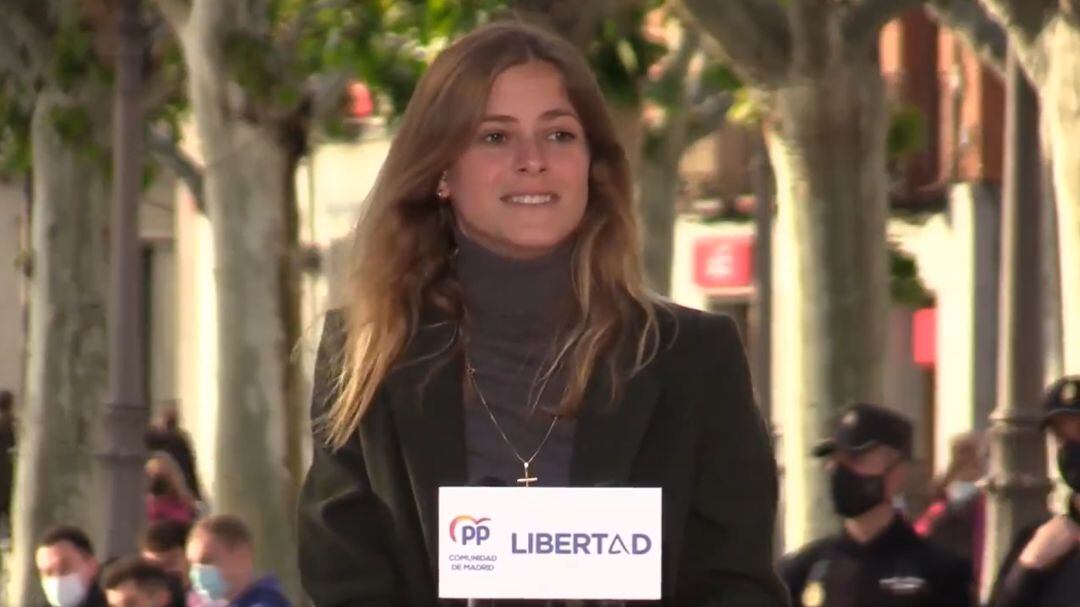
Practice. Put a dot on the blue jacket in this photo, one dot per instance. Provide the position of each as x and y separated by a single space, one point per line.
265 592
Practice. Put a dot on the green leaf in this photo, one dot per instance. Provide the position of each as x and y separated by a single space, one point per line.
907 132
74 58
150 171
745 108
15 116
666 92
627 55
253 63
73 125
905 285
719 77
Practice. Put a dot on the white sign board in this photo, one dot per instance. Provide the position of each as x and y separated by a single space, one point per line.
549 543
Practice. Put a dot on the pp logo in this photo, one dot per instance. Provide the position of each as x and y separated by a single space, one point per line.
467 530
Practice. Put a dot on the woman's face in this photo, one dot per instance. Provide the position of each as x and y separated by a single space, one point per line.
521 186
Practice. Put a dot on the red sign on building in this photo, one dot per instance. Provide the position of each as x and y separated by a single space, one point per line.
924 337
724 262
360 102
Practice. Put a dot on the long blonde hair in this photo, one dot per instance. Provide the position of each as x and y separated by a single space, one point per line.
404 240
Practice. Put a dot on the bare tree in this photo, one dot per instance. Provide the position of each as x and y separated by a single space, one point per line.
260 76
66 366
813 69
692 103
55 61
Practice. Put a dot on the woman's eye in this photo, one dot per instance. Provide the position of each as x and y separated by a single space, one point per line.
493 137
563 136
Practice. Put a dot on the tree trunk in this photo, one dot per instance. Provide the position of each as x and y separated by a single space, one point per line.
826 141
296 388
658 191
249 181
67 357
630 130
1060 94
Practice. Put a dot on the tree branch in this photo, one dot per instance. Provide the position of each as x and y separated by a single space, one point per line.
810 36
708 116
186 169
294 30
1071 9
12 64
325 91
678 63
1023 18
752 34
976 27
575 20
865 20
176 12
28 35
158 90
580 20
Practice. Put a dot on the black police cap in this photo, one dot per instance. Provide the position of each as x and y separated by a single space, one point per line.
863 426
1061 398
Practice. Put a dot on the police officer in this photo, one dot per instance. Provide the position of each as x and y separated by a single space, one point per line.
1042 569
877 560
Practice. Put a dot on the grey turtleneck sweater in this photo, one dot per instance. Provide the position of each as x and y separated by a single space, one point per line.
514 309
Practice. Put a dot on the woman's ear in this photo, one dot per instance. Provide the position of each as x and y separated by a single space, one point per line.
442 191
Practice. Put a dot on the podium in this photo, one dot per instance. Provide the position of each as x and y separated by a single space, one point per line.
595 543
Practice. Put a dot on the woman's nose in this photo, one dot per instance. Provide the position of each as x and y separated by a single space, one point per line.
531 158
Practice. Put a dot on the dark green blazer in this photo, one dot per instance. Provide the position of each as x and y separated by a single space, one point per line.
686 423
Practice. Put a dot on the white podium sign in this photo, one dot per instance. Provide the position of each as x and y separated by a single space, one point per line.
549 543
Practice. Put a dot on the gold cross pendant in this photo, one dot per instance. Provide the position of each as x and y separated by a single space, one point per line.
526 480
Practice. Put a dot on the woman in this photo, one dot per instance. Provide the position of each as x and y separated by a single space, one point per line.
497 328
956 517
169 497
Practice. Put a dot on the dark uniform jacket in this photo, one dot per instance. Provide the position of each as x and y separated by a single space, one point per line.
95 596
895 569
1056 586
686 423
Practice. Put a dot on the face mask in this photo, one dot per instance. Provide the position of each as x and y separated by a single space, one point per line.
64 591
1069 464
207 580
853 493
959 492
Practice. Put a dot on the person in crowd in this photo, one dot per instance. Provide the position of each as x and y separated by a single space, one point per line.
137 582
498 330
168 496
7 459
166 435
164 543
222 556
1042 568
68 568
956 517
877 559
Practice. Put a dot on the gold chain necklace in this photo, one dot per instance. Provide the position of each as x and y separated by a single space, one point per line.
525 479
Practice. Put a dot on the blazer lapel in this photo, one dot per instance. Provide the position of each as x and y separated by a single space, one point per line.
608 437
426 405
425 397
